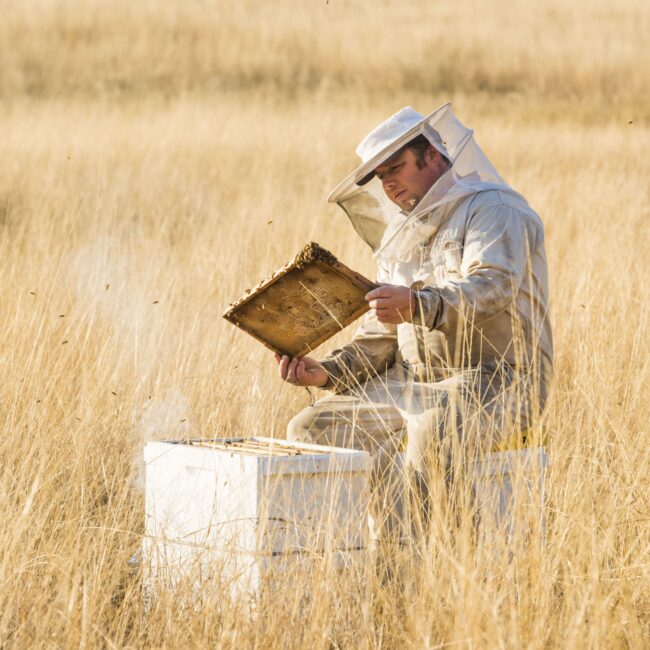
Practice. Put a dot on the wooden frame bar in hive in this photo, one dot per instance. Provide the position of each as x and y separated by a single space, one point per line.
302 304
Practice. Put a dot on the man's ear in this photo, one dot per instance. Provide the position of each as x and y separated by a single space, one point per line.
431 152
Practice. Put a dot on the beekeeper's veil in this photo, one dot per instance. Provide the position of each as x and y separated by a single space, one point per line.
391 233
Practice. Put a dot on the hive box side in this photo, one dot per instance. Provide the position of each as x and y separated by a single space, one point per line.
509 491
314 502
200 510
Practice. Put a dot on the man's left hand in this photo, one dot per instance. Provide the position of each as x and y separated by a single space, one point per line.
392 304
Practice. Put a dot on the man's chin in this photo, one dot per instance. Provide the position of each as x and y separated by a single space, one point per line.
407 205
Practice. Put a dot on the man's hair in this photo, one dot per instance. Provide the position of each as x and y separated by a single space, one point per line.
420 146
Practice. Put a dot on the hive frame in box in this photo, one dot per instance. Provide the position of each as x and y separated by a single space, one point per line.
302 304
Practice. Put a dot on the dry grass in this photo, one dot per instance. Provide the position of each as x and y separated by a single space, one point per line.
161 157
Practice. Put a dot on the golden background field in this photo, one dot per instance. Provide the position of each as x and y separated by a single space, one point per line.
160 157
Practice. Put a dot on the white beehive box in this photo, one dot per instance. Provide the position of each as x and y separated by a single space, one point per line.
233 509
509 491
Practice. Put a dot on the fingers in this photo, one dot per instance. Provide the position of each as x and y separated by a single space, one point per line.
392 318
300 372
291 376
385 310
291 371
284 365
391 304
379 292
380 303
392 315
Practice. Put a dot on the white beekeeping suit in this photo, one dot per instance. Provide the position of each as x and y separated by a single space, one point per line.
476 362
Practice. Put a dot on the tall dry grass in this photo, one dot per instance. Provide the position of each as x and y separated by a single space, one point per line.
161 157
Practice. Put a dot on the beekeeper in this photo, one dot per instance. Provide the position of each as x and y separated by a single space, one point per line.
455 354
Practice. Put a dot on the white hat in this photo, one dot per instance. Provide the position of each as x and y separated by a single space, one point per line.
385 140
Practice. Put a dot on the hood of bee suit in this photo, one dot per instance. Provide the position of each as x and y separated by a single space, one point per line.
390 232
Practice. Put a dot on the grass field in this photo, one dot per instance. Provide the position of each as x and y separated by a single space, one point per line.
161 157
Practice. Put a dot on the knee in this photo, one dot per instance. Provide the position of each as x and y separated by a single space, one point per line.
298 429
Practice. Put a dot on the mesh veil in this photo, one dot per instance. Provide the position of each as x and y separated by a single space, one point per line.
391 233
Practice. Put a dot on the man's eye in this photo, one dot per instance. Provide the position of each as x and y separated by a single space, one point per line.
390 170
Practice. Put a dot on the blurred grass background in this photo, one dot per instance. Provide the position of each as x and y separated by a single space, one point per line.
161 157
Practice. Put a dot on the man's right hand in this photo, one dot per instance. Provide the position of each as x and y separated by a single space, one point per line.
301 371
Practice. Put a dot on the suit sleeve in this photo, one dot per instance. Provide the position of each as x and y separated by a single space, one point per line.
371 351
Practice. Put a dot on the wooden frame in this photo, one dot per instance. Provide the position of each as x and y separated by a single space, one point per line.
302 304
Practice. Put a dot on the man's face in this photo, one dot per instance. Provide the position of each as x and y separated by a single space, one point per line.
406 178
